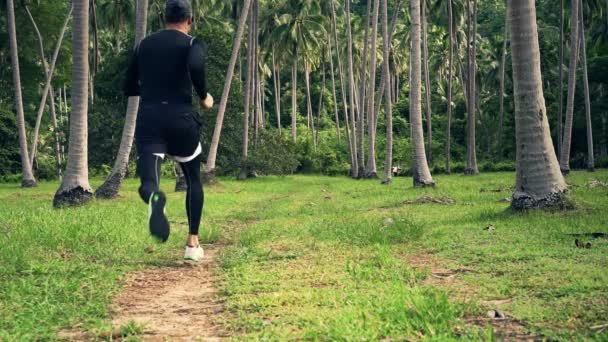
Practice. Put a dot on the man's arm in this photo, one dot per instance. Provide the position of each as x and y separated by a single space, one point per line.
197 65
131 87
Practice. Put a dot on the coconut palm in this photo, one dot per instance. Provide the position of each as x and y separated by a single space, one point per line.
471 165
75 188
539 181
564 160
215 140
27 179
420 168
386 43
448 132
370 168
111 186
298 29
427 83
583 55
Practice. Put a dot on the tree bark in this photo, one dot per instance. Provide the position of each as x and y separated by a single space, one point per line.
564 161
370 168
420 168
351 148
351 86
277 89
75 188
27 179
373 20
583 55
294 82
111 186
471 167
48 76
215 140
560 97
448 133
427 85
248 82
333 88
503 61
386 45
539 182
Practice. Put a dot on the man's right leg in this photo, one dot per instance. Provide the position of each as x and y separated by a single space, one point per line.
148 168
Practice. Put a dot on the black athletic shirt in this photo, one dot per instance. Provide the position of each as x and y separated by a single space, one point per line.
165 66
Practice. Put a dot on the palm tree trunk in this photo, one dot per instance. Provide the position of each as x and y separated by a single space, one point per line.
564 161
28 179
448 133
471 167
427 85
351 148
560 105
111 186
248 85
294 82
386 45
382 80
320 107
503 61
351 85
277 90
370 168
75 188
49 77
420 168
215 140
373 19
583 54
539 182
333 88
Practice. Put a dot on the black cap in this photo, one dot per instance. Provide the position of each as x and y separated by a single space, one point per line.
177 11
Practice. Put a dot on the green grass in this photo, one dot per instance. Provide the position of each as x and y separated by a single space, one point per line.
315 258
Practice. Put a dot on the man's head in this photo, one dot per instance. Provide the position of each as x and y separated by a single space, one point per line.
178 14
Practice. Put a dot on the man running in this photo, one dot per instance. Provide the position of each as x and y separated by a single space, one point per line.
165 66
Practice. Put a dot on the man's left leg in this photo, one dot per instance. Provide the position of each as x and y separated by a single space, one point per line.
148 168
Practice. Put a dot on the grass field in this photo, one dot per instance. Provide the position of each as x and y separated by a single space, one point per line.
320 258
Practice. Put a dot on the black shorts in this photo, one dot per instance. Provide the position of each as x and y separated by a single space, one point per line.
167 128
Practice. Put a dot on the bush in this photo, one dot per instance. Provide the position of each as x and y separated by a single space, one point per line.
272 154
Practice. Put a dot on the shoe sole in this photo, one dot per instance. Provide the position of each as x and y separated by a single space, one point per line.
159 225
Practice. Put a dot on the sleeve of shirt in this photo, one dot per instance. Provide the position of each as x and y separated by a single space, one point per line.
197 66
131 86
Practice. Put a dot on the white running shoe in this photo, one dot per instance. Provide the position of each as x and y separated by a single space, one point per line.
194 253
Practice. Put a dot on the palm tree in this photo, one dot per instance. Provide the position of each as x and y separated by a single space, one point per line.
590 157
427 84
48 75
111 186
28 179
248 82
370 168
420 168
539 182
560 97
448 132
351 92
386 44
564 160
503 61
471 167
75 188
215 140
363 80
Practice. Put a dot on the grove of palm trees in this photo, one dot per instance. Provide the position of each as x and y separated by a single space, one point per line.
373 170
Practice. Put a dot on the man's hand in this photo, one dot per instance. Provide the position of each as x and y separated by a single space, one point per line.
207 102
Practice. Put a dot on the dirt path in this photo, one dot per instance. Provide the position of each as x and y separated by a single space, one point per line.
175 303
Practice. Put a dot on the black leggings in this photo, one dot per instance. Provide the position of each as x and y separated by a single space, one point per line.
148 167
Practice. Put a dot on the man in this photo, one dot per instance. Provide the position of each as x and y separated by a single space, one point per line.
165 67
